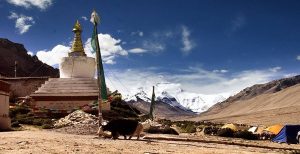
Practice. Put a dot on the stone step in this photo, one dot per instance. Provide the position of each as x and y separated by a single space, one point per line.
68 88
65 94
66 91
68 85
72 79
86 82
70 82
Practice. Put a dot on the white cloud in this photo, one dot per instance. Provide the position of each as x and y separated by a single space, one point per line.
137 50
298 57
195 80
188 44
163 35
139 33
53 56
110 49
220 71
275 69
84 18
41 4
154 46
22 23
238 23
30 53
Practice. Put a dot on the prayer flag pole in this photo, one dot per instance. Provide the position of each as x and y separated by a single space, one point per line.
102 93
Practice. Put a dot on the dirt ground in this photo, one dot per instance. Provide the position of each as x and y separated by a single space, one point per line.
45 141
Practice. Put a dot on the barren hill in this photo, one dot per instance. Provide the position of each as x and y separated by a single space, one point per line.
27 65
274 102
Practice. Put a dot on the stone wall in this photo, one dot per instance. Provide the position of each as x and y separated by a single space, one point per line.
23 86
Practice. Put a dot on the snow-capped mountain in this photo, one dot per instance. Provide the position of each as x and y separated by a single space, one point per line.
167 98
173 95
199 102
141 95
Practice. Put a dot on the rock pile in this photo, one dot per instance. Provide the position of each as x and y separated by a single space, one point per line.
77 117
78 122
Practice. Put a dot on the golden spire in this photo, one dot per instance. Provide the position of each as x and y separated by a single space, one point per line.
77 47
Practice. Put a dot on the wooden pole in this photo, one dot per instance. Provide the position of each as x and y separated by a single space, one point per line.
16 65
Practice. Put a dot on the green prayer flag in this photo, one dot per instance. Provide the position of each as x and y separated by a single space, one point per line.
96 48
152 105
93 41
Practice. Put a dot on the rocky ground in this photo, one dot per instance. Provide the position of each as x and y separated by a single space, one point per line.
76 133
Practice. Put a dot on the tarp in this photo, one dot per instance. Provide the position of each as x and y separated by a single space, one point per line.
275 129
252 129
230 126
288 134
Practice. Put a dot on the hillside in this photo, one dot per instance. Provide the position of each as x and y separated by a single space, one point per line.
27 65
274 102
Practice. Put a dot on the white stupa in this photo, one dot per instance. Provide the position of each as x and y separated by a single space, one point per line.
77 64
76 88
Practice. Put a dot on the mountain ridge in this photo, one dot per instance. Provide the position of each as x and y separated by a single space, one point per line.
27 65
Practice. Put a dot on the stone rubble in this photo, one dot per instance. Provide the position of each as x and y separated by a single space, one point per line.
78 122
77 117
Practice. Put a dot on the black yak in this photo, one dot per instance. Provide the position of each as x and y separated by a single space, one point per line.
123 127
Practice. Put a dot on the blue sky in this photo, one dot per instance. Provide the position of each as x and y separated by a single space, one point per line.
202 46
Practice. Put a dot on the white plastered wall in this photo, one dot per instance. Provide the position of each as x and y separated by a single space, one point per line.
4 111
77 67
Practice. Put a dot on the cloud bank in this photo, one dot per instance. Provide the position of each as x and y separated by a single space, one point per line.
41 4
192 79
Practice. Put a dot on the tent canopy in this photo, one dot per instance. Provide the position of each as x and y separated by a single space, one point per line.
275 129
288 134
252 129
230 126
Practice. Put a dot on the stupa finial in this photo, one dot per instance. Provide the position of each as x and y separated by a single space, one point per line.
77 27
77 47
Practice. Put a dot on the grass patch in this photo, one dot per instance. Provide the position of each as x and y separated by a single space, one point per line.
23 115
